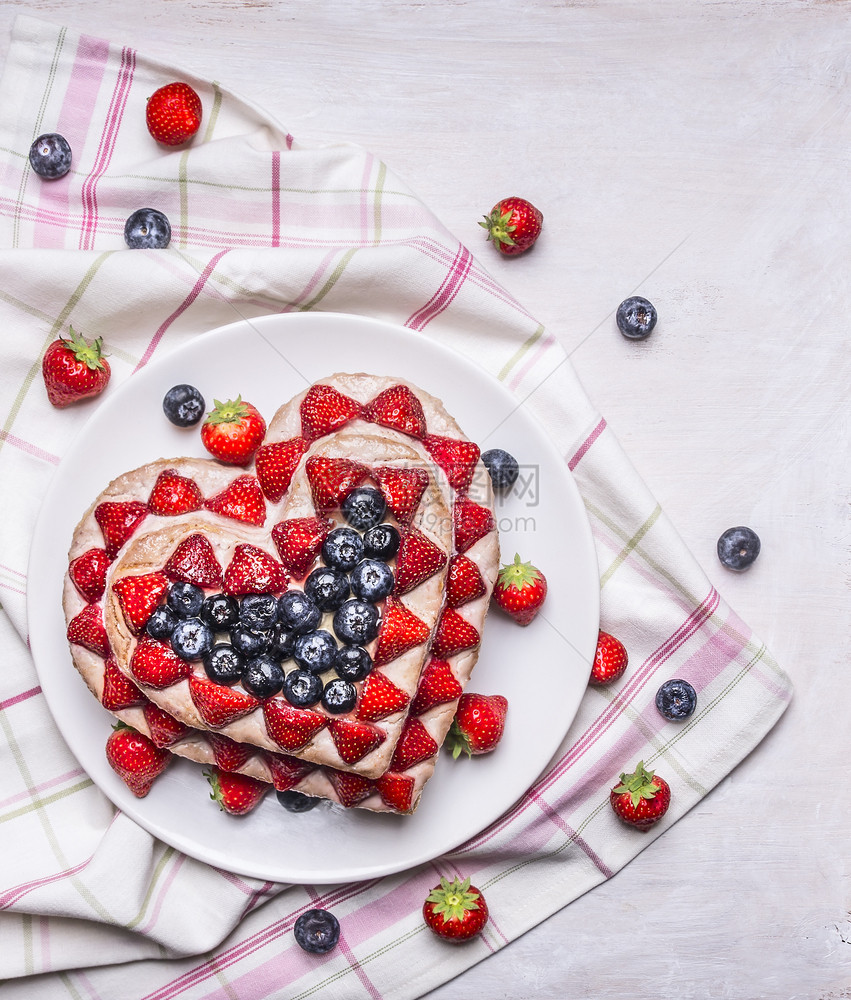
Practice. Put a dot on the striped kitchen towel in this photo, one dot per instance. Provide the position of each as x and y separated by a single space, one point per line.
94 906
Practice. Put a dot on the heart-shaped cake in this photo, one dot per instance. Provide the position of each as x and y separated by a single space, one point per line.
309 620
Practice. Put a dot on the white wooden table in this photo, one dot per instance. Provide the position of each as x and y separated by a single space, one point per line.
697 153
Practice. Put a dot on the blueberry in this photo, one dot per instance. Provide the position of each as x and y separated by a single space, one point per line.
343 549
502 468
356 622
352 663
297 802
327 587
283 642
191 639
220 612
302 688
147 229
161 623
676 699
738 548
262 676
224 664
249 642
339 696
185 599
381 542
258 611
363 507
297 612
317 931
184 405
372 580
315 651
50 156
636 317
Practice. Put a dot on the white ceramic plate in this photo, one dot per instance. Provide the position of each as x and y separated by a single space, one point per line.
542 669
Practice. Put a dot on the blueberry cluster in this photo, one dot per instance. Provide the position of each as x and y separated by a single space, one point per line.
249 640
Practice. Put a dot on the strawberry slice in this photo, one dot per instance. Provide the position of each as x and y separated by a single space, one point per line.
174 494
354 739
138 596
156 664
87 629
236 794
453 635
118 690
241 501
398 408
165 730
299 540
464 582
402 490
324 409
379 698
457 458
332 480
350 788
438 685
470 522
286 771
229 755
396 791
88 573
275 464
194 561
417 560
414 746
219 705
253 571
291 728
118 521
401 630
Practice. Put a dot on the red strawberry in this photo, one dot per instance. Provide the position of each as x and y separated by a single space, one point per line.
470 522
174 494
324 409
399 409
291 728
520 590
396 791
438 685
350 788
229 755
236 794
464 582
299 540
194 561
332 480
219 705
379 698
402 490
478 724
165 730
400 631
455 911
286 771
641 799
610 660
119 691
118 521
453 635
418 559
173 114
275 465
74 369
253 571
457 458
233 431
135 759
242 500
354 739
513 224
87 629
138 596
156 664
413 747
88 573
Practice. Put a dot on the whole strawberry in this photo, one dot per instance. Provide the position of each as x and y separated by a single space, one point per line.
233 431
173 114
456 911
478 724
135 759
610 660
641 799
513 225
520 590
236 793
74 369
